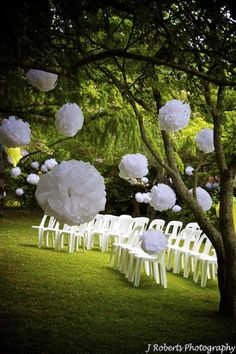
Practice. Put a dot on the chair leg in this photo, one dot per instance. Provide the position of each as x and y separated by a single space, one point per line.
204 273
138 269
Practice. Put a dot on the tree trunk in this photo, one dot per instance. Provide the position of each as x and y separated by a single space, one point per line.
2 178
227 285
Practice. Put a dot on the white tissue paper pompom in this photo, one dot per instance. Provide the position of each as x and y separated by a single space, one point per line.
16 171
19 191
205 140
24 153
73 192
189 170
174 116
203 198
133 166
33 178
43 168
144 180
162 197
139 197
176 208
146 197
50 163
14 132
35 165
215 185
208 185
69 119
42 80
153 241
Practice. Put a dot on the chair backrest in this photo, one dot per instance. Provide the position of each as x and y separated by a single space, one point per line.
110 223
199 241
185 235
207 247
133 239
141 221
173 228
43 220
157 224
192 225
51 222
98 222
124 225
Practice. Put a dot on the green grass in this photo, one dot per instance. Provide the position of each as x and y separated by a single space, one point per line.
55 302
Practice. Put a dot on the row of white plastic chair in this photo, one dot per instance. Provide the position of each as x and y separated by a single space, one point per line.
192 250
187 249
50 228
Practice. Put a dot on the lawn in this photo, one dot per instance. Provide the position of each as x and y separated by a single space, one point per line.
55 302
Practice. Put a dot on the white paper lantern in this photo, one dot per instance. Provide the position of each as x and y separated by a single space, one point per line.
133 166
15 172
14 132
43 168
174 116
153 241
203 198
139 197
205 140
50 163
176 208
35 165
73 192
162 197
189 170
69 119
42 80
19 192
33 178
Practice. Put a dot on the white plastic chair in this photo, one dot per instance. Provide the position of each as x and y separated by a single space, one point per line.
172 229
158 267
173 247
204 261
94 228
109 226
121 233
191 256
40 226
192 225
47 231
181 252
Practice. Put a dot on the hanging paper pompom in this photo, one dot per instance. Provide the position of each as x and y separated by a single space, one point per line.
176 208
133 166
69 119
33 178
189 170
205 140
43 168
174 116
14 132
50 163
19 192
139 197
73 192
203 198
15 172
35 165
162 197
153 241
42 80
144 180
13 155
24 152
146 197
208 185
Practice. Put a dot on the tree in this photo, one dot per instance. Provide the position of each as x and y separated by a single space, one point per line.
143 48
